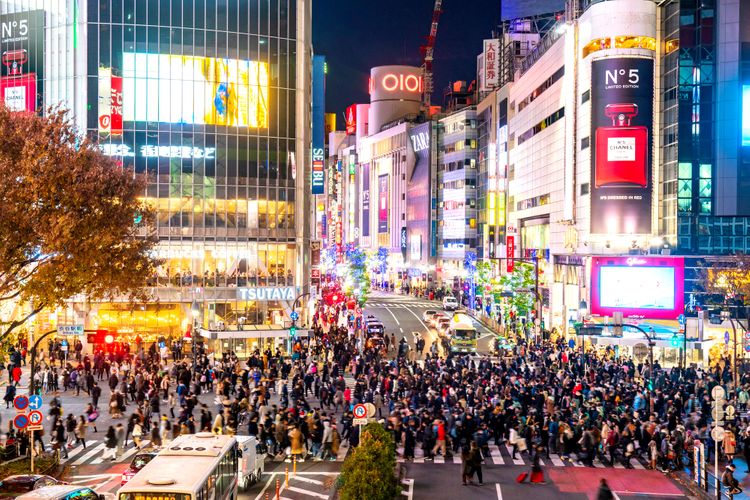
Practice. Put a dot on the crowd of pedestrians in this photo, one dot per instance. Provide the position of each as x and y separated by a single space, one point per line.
539 399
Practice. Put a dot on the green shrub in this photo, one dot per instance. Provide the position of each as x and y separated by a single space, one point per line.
369 473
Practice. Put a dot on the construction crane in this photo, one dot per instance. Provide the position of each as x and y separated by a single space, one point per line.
427 52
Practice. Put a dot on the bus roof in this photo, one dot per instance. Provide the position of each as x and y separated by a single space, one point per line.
183 466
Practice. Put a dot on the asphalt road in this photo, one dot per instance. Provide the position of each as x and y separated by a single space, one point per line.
402 315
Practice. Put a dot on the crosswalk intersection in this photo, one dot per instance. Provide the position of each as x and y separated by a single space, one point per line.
95 451
403 305
503 455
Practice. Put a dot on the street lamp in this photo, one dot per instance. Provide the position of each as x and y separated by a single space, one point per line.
195 311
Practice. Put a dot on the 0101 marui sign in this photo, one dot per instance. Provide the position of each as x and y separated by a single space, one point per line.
622 93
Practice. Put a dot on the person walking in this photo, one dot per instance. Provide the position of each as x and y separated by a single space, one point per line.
110 443
81 431
137 433
475 462
604 492
58 439
466 473
120 436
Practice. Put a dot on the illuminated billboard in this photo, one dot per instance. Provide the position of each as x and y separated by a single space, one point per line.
644 287
196 90
746 115
22 60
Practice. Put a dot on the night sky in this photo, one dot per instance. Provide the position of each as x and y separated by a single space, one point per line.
356 35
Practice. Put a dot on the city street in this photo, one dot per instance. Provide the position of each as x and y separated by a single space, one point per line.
402 316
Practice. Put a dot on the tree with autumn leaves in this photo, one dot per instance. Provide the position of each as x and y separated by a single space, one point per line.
67 219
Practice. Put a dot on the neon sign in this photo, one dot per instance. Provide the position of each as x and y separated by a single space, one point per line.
392 82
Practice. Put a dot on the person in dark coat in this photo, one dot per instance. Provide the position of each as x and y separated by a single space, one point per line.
604 492
466 472
475 461
410 441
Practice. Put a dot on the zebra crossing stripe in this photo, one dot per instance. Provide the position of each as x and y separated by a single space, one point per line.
618 465
96 449
637 465
556 461
74 452
456 459
598 464
516 461
497 457
439 459
343 450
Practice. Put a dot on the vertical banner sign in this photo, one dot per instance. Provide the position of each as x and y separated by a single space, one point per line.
22 60
621 126
351 119
318 125
491 64
510 252
366 199
110 102
404 242
383 203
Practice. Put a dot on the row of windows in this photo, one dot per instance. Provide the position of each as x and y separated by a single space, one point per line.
536 201
266 17
460 146
560 113
541 88
458 165
459 184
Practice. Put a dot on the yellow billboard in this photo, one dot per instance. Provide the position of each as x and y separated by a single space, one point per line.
196 90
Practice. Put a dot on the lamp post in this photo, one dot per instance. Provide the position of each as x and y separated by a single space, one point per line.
195 312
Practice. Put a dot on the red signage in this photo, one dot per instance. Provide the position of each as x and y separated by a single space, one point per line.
351 119
510 252
18 93
116 105
315 274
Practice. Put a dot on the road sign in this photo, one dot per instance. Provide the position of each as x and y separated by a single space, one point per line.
681 319
718 392
35 402
730 411
717 433
360 411
717 413
360 421
35 417
20 403
726 337
21 421
370 410
70 330
294 315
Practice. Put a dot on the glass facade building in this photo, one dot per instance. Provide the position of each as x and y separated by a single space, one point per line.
206 100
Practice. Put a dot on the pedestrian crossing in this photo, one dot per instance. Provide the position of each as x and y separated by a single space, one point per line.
95 451
503 455
414 304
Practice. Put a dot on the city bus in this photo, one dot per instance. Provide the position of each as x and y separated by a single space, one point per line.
199 466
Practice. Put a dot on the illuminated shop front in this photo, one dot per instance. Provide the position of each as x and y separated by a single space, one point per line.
203 103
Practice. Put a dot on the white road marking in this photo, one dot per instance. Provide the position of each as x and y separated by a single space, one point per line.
97 449
394 316
409 493
497 457
556 461
499 491
306 480
307 492
516 461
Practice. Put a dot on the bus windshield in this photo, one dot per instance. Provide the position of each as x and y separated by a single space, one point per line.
465 333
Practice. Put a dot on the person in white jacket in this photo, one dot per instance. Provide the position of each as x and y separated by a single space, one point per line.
327 439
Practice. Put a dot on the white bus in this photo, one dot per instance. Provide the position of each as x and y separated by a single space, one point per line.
199 466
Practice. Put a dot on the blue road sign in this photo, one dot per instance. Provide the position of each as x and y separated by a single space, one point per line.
294 315
64 342
681 319
20 403
726 337
21 421
35 402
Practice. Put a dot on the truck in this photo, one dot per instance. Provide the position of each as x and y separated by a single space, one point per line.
462 334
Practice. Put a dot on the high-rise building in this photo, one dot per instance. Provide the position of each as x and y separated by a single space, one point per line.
209 101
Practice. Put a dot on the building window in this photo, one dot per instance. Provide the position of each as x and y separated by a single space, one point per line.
586 96
585 188
584 143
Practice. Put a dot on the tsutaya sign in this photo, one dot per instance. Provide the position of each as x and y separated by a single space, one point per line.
266 293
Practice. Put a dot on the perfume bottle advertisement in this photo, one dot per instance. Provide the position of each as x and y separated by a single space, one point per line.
22 60
622 93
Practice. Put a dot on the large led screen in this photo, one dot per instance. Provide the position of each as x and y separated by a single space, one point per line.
638 286
746 115
196 90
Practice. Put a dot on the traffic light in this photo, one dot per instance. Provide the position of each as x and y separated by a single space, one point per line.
292 331
675 341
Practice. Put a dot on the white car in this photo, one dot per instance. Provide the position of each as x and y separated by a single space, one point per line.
428 314
450 303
